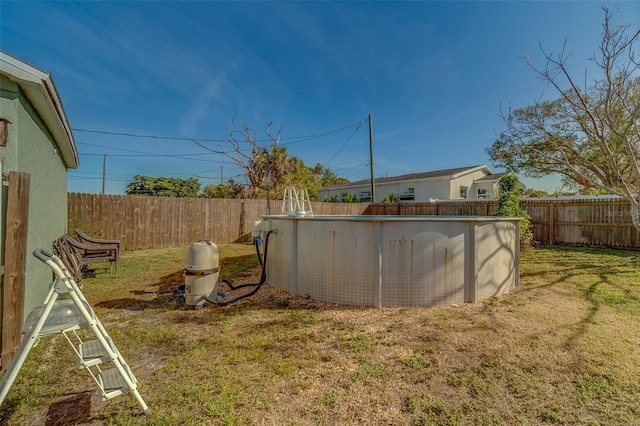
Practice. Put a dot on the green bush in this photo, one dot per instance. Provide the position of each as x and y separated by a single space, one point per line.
391 198
509 206
350 198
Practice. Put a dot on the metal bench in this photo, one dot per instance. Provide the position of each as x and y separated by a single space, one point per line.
77 255
84 238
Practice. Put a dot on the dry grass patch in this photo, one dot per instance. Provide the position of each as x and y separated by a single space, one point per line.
561 349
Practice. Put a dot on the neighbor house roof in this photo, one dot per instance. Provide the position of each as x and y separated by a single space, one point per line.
454 173
491 178
39 87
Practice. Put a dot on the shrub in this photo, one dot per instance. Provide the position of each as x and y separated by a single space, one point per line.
509 206
391 198
350 198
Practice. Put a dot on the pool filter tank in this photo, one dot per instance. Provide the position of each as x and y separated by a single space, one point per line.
201 274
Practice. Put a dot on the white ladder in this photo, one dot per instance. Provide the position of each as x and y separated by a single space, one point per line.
67 317
296 202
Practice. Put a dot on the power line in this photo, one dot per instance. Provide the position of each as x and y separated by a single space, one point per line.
140 153
295 139
133 135
187 156
343 145
197 141
148 154
153 172
306 138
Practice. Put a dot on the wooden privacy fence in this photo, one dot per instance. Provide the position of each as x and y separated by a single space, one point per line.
596 221
15 243
144 222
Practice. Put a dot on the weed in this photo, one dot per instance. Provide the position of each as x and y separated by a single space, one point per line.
412 403
332 399
283 303
480 386
552 413
369 370
596 385
435 412
469 406
222 406
414 362
360 343
455 380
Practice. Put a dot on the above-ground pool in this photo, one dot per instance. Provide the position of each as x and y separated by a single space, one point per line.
393 261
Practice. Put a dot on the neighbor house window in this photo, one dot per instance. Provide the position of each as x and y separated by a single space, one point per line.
406 194
483 194
364 196
463 191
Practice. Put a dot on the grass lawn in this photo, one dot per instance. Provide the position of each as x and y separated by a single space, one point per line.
561 349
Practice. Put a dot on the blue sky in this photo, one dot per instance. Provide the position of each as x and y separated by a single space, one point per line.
433 75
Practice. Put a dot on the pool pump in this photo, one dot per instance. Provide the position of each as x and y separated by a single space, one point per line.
201 274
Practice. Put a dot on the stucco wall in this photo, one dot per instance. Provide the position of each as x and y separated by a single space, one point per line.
424 190
466 180
442 188
490 186
433 188
31 149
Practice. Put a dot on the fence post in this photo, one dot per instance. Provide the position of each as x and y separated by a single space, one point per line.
551 220
242 220
15 263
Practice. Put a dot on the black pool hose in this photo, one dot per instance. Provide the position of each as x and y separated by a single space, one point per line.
263 278
256 242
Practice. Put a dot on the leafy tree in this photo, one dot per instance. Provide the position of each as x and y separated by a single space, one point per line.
230 189
313 178
391 198
590 135
259 163
269 169
327 177
163 186
297 174
509 205
573 188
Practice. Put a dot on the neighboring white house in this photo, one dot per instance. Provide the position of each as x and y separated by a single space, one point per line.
474 182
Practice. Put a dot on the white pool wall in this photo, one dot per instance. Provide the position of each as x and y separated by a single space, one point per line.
393 261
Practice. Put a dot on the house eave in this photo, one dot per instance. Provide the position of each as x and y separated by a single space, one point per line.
40 88
471 170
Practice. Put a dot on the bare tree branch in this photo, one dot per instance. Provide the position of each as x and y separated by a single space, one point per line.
590 134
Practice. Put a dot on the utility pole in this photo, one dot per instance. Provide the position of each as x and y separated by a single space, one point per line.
373 184
104 172
221 175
